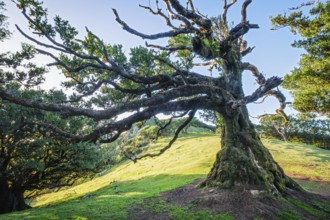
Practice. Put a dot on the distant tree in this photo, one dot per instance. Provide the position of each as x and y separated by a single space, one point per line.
214 118
309 131
107 83
309 83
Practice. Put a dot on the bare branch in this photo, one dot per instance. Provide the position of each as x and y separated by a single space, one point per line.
190 3
205 24
152 36
264 89
176 135
260 79
168 123
243 11
247 51
159 12
281 98
213 62
176 16
225 10
303 5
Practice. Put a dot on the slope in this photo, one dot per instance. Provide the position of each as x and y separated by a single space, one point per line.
128 185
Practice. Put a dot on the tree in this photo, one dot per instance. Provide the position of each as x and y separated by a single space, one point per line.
309 131
33 158
310 82
160 79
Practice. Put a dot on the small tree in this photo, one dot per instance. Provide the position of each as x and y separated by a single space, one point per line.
150 82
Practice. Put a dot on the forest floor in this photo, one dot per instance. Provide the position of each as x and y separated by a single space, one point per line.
165 188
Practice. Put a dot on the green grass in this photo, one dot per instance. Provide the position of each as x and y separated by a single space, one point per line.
289 215
307 208
301 160
127 185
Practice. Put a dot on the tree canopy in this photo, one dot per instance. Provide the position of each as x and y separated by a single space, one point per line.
309 83
31 157
117 90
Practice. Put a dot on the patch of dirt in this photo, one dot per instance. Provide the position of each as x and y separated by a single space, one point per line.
318 187
298 175
243 204
144 213
240 203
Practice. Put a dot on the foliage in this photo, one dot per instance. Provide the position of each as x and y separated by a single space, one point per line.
117 90
33 158
4 32
214 118
309 131
310 82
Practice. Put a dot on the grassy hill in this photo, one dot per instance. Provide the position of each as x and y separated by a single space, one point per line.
133 191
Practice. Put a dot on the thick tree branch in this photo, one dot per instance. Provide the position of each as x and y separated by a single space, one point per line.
168 123
65 110
260 79
116 128
205 24
281 98
243 10
263 90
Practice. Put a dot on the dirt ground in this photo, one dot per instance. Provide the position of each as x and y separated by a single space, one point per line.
240 203
317 187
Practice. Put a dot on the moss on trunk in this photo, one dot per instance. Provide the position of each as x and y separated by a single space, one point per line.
244 162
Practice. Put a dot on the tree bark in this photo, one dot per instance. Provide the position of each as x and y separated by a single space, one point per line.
10 199
20 201
244 162
6 197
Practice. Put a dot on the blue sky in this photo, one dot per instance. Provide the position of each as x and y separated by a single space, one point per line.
273 54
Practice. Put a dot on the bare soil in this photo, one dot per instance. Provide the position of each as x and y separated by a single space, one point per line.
240 203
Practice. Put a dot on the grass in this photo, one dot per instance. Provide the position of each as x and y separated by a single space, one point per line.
289 215
307 208
301 160
127 185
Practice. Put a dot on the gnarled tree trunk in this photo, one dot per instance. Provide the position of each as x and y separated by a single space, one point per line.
6 197
244 162
11 199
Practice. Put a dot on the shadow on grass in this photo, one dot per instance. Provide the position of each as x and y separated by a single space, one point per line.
307 150
111 202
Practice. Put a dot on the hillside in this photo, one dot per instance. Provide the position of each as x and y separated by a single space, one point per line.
135 191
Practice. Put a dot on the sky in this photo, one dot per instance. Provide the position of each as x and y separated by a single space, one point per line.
273 54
